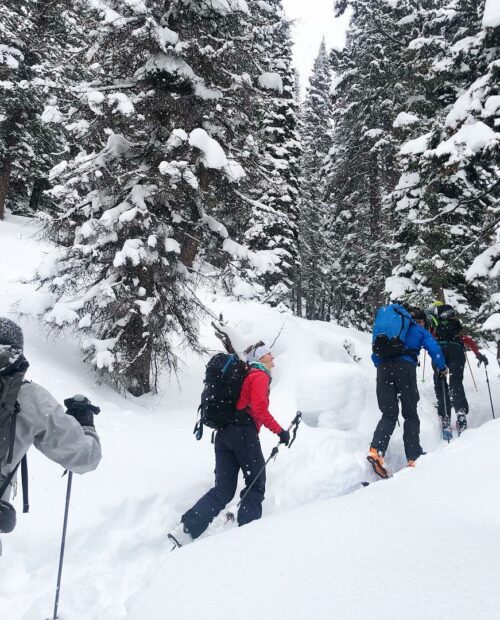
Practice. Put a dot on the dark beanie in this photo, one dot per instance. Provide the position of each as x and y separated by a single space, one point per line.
10 333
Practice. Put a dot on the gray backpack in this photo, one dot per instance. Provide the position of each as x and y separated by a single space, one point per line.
13 366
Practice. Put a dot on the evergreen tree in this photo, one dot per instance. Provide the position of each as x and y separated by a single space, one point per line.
316 128
448 194
37 38
273 226
368 94
155 176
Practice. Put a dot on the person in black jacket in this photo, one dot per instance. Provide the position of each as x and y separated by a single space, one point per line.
446 328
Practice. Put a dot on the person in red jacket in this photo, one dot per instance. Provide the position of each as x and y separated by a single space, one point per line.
237 447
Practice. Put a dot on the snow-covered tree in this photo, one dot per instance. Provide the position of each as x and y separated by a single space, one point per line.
156 178
447 196
368 95
37 40
316 128
273 226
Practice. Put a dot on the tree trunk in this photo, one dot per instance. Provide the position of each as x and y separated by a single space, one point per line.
191 242
39 186
137 375
4 188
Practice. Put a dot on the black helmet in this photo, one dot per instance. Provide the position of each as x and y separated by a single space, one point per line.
418 315
7 517
446 312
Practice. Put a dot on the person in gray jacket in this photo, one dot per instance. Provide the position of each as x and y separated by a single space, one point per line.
67 437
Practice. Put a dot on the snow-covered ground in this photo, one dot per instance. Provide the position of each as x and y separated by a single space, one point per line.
424 544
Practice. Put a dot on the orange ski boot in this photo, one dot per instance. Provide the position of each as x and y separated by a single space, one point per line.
376 460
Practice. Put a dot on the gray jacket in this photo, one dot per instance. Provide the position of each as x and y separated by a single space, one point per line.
42 422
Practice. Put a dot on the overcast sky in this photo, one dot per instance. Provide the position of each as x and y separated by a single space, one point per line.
313 19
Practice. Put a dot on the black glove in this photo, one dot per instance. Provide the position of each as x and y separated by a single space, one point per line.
7 517
81 409
482 359
284 437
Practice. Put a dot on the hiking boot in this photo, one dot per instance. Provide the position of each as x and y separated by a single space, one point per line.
180 536
376 460
461 422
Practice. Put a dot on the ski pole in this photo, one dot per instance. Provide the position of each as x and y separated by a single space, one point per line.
423 369
471 374
295 425
443 379
489 391
63 544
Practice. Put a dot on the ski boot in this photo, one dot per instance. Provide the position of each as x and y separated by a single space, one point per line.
180 536
461 422
447 433
376 460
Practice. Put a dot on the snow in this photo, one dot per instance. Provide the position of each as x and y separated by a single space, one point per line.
407 180
95 99
416 146
467 141
324 544
58 169
225 7
172 245
398 287
491 15
271 81
121 103
213 153
486 264
468 103
10 56
132 250
167 36
403 119
492 323
491 106
51 114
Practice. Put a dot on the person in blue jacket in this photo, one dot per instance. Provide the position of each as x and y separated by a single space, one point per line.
397 378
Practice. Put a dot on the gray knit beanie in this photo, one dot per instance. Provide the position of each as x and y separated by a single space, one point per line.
10 333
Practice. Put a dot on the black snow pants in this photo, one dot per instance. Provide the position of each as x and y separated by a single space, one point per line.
398 379
237 447
454 354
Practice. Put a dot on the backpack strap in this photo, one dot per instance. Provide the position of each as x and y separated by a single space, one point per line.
24 480
12 432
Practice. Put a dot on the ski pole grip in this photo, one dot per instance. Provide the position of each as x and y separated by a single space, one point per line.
295 421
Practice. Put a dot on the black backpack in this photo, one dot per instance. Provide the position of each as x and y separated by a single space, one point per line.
224 378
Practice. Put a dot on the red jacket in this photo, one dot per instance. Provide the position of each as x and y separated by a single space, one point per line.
254 399
469 343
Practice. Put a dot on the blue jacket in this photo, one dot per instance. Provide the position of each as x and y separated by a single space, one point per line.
416 338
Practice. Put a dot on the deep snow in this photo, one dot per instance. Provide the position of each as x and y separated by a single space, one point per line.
423 544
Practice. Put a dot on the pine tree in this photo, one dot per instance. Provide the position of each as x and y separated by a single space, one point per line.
37 38
316 128
155 180
273 226
449 188
368 96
